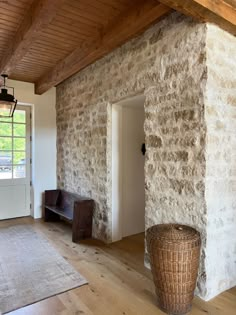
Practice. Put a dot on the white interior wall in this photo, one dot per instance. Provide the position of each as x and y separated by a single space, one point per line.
44 140
127 191
133 192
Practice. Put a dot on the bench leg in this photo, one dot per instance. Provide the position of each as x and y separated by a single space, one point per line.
82 220
75 232
79 233
50 216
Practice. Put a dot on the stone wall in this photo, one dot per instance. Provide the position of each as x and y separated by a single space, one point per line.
168 64
167 52
220 113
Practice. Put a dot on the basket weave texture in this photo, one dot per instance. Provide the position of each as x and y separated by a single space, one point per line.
174 255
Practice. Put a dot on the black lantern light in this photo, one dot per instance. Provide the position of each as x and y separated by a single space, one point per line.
7 101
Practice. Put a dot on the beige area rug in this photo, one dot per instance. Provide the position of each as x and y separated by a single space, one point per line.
31 269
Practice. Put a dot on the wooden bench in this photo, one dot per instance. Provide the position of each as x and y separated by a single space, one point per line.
71 207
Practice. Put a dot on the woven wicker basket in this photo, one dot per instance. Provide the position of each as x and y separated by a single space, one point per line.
174 254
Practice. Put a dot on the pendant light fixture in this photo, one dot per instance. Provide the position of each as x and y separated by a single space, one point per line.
7 101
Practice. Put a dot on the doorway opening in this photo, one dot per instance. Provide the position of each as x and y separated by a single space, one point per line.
128 193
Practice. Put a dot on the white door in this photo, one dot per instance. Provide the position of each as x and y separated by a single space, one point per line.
133 200
15 164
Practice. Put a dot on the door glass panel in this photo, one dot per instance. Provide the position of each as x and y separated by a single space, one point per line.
19 171
5 143
13 146
6 119
19 144
19 116
19 158
5 172
5 165
5 158
19 130
5 129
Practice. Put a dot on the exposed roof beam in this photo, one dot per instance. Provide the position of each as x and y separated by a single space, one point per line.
220 12
127 25
36 20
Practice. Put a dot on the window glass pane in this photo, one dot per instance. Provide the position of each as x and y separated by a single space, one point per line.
5 165
19 116
18 157
19 171
5 172
5 143
5 158
5 129
19 144
19 130
6 119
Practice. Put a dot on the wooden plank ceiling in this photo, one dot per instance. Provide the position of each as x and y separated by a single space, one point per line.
77 23
220 12
11 17
46 41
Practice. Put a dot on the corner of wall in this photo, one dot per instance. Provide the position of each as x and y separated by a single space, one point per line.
220 113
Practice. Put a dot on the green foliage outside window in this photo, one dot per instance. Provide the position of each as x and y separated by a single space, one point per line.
8 132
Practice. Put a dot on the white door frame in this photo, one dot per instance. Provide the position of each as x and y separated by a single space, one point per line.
117 145
31 106
116 172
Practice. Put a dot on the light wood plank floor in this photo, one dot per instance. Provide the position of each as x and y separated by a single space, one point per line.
119 284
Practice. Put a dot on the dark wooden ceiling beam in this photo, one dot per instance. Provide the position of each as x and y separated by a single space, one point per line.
35 22
126 26
219 12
